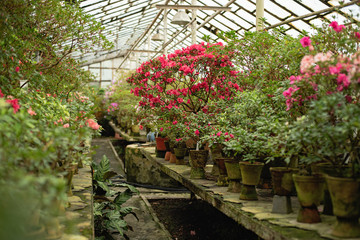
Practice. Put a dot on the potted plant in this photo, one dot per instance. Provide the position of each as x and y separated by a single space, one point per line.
327 92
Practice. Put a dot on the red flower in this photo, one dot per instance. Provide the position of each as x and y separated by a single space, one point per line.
14 103
17 69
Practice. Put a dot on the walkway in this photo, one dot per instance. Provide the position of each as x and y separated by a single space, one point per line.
146 224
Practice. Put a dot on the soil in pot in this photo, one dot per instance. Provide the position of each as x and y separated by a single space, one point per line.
190 220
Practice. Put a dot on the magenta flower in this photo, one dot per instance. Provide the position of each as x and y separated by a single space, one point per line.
336 26
66 125
17 69
197 132
175 122
305 41
219 133
357 34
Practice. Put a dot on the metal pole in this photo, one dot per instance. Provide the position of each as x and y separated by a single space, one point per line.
193 25
165 30
259 14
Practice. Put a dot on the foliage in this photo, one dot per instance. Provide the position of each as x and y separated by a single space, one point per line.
37 40
109 213
101 176
329 132
265 58
252 125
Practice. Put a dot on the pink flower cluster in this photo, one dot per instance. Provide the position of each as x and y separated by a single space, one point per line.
12 101
189 75
91 123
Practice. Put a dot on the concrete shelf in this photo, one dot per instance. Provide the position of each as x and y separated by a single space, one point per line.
253 215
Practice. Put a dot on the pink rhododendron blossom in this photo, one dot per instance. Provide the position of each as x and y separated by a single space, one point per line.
17 69
31 112
336 26
306 63
1 94
305 41
231 135
197 132
174 122
141 127
342 79
66 125
357 34
14 103
219 134
161 129
178 139
92 124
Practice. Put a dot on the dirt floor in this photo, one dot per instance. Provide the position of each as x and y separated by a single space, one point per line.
197 220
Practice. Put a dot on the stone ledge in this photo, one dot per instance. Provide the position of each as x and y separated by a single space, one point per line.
79 214
253 215
127 137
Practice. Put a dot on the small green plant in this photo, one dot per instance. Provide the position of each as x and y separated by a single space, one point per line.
109 213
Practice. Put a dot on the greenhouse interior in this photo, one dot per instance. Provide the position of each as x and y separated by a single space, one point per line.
179 119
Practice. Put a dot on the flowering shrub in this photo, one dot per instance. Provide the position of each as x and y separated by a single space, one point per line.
326 72
185 79
325 99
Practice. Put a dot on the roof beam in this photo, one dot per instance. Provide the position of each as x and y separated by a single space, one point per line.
193 7
313 13
201 25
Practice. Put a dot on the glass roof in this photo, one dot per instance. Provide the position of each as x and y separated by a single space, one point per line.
127 21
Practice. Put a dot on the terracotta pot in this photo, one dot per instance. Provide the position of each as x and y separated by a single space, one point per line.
160 143
172 158
310 190
198 159
135 130
345 196
216 152
167 156
251 172
222 178
234 175
180 153
232 169
221 163
282 181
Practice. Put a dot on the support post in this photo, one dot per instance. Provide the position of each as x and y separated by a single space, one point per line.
165 30
193 25
259 14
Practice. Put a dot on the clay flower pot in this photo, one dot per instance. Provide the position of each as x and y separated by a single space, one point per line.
160 143
180 155
310 190
198 159
250 173
282 181
345 196
234 175
283 186
222 178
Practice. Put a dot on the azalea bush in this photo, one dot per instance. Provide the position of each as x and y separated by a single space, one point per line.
324 100
40 139
181 84
331 65
185 79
